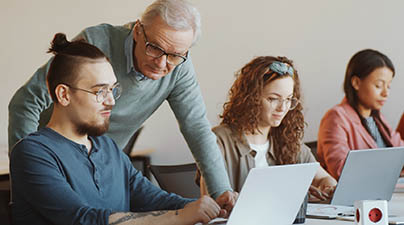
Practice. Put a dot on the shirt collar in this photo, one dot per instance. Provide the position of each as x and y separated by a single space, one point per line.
95 144
244 148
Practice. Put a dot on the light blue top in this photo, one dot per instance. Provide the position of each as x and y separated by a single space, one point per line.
56 181
374 132
30 107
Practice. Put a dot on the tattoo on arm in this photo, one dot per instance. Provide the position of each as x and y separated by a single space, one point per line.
132 216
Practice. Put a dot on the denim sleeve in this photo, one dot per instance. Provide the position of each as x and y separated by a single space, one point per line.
189 108
145 196
38 179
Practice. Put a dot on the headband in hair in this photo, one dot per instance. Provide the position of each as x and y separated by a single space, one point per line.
281 68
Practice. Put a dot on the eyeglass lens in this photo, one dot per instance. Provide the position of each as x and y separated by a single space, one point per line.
290 103
157 52
102 94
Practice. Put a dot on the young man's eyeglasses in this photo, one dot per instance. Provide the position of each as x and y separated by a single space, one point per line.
290 103
102 93
156 52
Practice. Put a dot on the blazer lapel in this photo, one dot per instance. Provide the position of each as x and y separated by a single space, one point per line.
360 129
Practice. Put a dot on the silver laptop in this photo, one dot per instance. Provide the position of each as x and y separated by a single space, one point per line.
369 175
272 195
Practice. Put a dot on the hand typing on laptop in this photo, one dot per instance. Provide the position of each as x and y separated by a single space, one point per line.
322 189
316 195
227 201
203 210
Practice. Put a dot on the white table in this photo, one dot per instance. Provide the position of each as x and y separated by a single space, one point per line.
325 222
395 207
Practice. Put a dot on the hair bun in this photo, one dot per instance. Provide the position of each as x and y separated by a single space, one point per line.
58 43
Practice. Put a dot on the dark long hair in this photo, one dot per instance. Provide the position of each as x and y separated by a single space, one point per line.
361 65
242 112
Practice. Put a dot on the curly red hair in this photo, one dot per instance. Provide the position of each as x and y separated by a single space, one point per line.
242 112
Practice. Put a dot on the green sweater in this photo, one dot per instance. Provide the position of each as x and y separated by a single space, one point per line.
31 106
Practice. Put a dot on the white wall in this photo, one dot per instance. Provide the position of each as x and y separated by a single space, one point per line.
320 36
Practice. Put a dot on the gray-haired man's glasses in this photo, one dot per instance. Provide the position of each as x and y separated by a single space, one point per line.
156 52
102 93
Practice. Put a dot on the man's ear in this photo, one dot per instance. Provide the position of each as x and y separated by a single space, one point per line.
62 94
136 31
355 82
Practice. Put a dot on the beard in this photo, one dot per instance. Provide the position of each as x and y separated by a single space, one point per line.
91 129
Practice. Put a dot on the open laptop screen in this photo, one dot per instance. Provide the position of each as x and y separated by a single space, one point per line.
369 175
273 195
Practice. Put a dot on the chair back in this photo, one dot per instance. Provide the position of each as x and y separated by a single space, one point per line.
313 147
129 146
178 179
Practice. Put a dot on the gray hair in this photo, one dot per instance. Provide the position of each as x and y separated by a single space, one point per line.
178 14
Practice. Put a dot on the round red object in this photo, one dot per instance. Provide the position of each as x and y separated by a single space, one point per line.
357 217
375 215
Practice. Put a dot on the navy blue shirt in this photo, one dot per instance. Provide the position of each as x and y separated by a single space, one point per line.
56 181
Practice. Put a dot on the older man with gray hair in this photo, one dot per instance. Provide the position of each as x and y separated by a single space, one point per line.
151 60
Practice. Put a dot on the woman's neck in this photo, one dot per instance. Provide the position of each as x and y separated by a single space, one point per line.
364 111
260 137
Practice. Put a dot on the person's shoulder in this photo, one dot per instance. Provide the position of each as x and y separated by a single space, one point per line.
105 31
222 129
226 134
341 110
305 155
335 108
42 135
106 27
33 142
304 147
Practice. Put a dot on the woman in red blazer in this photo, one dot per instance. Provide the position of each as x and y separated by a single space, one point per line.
356 123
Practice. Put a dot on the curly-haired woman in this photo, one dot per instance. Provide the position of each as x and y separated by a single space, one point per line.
263 123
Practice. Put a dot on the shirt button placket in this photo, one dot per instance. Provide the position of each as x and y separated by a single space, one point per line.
96 171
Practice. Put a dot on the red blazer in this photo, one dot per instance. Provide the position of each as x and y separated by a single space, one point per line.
400 127
341 130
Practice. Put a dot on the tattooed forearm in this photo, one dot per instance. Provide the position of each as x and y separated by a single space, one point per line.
157 213
131 216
